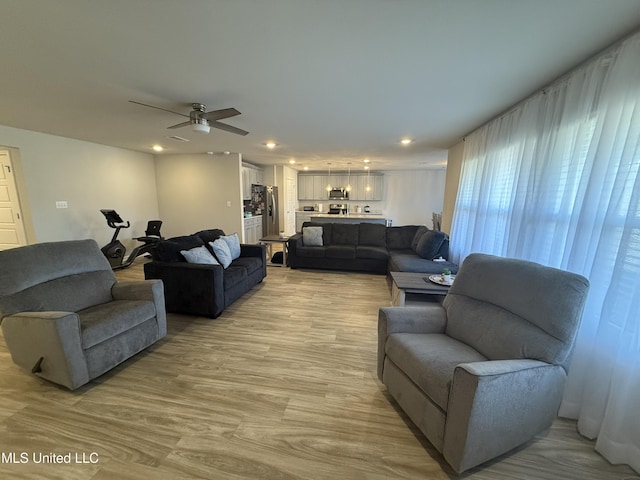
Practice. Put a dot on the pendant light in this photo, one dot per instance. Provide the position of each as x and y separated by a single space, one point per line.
348 187
328 187
368 187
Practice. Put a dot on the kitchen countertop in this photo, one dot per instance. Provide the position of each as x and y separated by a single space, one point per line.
350 215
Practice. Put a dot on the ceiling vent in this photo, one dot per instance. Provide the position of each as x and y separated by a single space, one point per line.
177 138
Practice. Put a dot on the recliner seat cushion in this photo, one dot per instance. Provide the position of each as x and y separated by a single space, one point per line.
101 322
399 238
429 361
310 252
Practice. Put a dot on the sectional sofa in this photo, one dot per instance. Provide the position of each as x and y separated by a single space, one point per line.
369 247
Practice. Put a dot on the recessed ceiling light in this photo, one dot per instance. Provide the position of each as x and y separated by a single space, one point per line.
292 161
306 168
366 167
366 160
270 144
406 141
157 148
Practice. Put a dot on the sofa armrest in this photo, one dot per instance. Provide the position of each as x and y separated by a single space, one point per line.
148 290
430 318
253 250
54 337
190 287
495 406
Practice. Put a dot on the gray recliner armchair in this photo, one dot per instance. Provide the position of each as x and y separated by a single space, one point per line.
484 372
66 318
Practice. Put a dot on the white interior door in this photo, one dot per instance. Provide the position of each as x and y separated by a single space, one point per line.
12 233
290 208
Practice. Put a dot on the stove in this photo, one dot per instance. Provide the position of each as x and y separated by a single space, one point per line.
338 208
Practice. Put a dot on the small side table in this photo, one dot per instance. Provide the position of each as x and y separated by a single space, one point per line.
269 240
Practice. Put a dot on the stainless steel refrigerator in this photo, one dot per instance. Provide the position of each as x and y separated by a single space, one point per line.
270 218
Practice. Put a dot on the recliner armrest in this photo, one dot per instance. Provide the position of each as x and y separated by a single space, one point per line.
430 318
54 336
497 405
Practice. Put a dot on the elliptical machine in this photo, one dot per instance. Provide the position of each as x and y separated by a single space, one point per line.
115 250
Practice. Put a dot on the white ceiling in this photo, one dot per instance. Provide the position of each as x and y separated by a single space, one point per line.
331 81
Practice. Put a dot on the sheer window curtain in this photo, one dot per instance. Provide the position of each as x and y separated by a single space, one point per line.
556 180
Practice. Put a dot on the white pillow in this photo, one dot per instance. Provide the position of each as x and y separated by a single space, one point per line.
199 255
222 252
312 236
233 242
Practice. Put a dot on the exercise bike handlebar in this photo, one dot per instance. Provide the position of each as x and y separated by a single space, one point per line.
114 220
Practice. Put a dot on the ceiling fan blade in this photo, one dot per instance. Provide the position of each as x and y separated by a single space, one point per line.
227 128
220 114
179 125
158 108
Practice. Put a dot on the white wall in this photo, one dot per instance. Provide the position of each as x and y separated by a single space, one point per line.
86 175
454 165
411 196
193 191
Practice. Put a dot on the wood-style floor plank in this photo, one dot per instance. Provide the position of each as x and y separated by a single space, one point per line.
281 386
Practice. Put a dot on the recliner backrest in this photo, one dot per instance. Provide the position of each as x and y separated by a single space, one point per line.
509 308
58 276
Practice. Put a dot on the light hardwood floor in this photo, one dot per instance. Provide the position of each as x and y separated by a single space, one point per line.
281 386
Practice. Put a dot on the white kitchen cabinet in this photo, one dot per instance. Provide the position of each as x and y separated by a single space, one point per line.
252 229
314 186
251 176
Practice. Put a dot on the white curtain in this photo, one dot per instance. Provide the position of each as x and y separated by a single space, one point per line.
556 180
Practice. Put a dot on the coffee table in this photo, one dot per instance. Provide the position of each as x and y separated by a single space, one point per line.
411 282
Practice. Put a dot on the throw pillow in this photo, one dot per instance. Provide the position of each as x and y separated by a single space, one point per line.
199 255
233 242
429 244
222 252
312 236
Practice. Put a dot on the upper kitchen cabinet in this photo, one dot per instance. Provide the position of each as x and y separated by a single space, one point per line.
251 175
314 186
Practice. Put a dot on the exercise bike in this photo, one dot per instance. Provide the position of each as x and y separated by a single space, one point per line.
115 250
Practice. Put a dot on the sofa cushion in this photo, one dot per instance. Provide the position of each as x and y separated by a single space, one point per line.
234 275
312 236
371 253
222 252
429 361
399 238
416 238
429 244
251 264
374 234
199 255
102 322
310 252
407 261
347 252
345 234
169 250
209 235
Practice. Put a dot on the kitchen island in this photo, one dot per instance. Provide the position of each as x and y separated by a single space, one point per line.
349 218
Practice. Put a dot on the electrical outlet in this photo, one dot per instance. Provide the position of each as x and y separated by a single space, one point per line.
228 203
62 204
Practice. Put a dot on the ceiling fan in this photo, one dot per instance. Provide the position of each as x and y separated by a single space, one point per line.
201 120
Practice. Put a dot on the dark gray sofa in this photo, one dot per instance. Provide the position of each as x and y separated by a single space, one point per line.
372 248
199 289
